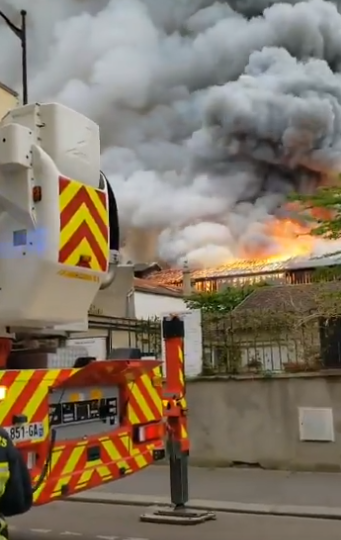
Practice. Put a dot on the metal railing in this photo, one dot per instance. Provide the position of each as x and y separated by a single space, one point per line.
144 334
231 345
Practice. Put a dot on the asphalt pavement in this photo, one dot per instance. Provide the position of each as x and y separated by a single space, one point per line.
86 521
246 486
249 505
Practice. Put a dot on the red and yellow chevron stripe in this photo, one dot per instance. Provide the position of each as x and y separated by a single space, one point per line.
84 226
27 392
183 401
71 472
179 376
145 398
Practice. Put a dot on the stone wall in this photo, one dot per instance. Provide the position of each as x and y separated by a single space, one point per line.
256 421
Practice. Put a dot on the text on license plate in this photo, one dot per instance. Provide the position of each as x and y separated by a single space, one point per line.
26 432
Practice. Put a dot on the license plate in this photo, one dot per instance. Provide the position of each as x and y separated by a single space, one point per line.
26 432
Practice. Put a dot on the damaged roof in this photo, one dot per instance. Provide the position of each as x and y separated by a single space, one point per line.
246 268
154 287
169 276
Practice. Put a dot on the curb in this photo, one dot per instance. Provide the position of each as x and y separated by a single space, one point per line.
121 499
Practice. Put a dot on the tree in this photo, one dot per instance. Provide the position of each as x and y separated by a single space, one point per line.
222 301
323 210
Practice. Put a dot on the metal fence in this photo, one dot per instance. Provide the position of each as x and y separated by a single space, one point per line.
142 334
231 345
146 335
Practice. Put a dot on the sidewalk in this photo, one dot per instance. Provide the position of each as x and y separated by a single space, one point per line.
247 486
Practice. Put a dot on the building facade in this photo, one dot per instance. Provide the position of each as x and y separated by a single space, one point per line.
8 99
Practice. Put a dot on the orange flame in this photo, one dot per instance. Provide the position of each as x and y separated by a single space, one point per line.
290 239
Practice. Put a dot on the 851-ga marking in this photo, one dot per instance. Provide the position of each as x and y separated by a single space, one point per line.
25 432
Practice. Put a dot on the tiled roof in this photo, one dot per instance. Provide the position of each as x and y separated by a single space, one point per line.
170 276
288 298
154 287
245 268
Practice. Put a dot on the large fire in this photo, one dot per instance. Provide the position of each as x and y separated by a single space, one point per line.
290 239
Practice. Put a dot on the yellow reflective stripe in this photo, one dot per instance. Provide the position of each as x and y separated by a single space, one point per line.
4 476
114 453
3 528
69 468
14 392
34 402
135 453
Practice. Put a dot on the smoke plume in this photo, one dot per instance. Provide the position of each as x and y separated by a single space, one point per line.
211 113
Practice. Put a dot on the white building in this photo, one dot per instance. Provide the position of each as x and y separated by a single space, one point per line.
126 299
151 299
8 99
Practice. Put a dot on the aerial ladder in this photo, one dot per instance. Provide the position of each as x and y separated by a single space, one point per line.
70 423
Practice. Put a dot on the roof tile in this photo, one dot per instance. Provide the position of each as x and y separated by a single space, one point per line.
288 298
155 287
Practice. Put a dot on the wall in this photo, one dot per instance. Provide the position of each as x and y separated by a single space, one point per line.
154 305
114 301
7 101
255 421
95 342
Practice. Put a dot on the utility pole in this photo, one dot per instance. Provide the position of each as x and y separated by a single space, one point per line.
20 32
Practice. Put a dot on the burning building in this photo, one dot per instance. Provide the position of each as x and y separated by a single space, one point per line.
295 261
276 272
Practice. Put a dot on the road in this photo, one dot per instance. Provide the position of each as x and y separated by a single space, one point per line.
86 521
239 485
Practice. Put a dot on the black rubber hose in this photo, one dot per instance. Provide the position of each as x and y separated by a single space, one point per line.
47 463
114 234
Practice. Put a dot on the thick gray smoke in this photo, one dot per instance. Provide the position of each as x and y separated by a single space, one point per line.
210 112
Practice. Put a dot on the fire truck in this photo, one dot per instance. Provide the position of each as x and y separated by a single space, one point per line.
77 422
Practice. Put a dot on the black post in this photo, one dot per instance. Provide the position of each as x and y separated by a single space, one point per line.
20 32
173 328
24 57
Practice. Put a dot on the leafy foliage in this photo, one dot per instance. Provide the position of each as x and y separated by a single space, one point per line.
326 273
222 301
323 210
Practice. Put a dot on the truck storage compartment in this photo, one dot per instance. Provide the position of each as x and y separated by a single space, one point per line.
77 412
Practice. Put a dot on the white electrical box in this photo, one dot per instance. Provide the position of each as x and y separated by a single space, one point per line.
316 424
